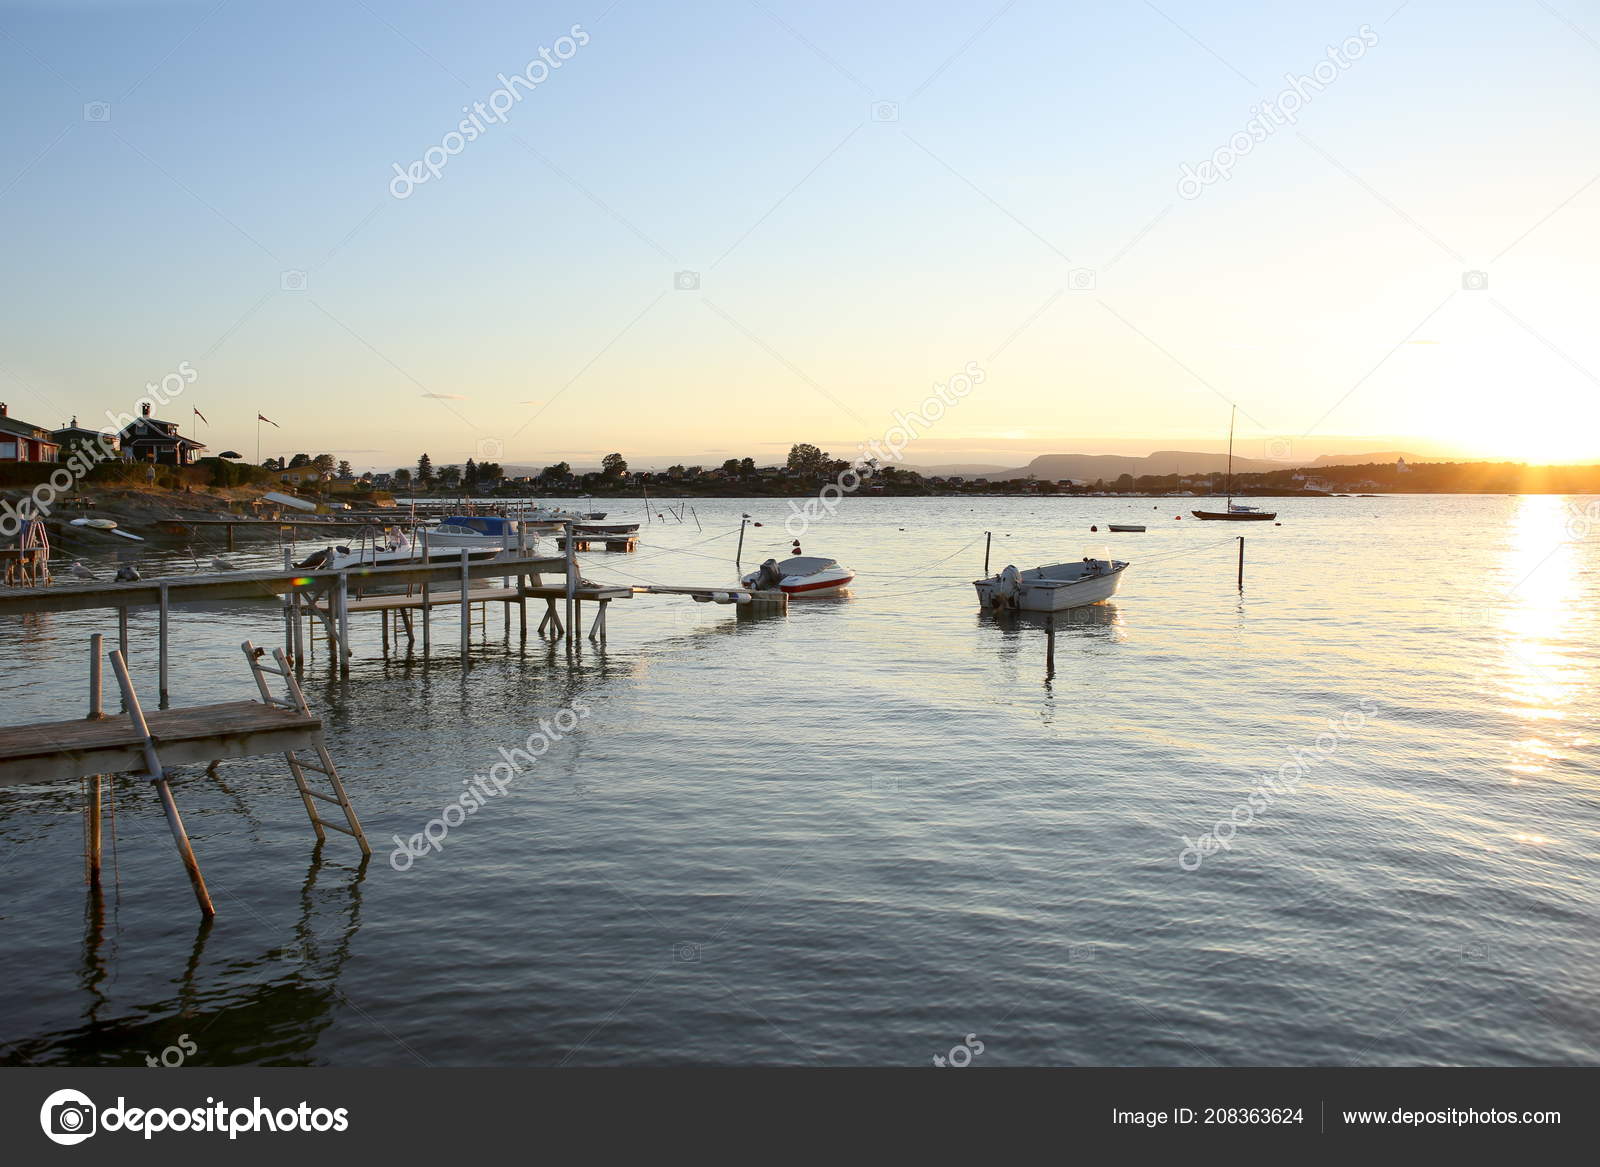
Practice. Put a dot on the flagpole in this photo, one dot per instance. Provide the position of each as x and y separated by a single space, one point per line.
258 439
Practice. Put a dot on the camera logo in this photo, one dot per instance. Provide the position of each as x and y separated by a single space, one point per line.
293 280
686 281
1279 449
686 953
97 111
491 449
885 111
68 1117
1474 281
1081 279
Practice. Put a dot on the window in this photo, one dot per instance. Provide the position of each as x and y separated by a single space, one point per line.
8 449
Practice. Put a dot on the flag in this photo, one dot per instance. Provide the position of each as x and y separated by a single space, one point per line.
268 420
202 417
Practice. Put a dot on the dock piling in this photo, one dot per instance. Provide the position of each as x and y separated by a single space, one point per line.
466 611
161 637
1241 563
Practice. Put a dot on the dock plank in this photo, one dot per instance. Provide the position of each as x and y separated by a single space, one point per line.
54 750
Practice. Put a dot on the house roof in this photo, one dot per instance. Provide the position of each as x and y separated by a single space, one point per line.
11 425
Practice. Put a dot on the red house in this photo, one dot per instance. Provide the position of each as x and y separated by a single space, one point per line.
21 442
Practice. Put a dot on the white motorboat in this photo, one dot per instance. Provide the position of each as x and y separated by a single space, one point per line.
558 515
800 575
475 531
1055 587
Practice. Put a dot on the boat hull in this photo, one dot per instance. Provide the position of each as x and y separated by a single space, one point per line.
1052 596
1235 517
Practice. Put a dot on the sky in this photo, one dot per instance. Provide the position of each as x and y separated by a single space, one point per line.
710 230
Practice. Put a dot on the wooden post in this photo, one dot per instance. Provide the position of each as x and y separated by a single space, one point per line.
466 610
122 630
427 608
344 624
96 786
988 538
1241 563
162 651
158 777
96 781
739 553
96 688
572 578
1050 646
288 607
230 536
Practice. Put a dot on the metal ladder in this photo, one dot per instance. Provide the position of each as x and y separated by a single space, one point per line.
298 765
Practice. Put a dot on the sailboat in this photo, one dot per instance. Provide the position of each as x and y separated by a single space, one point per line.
1236 513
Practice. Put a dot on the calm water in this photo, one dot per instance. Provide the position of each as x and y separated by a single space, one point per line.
859 833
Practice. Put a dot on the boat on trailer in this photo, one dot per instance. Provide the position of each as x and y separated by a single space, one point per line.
474 531
1055 587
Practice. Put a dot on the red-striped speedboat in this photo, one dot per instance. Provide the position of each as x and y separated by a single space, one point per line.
801 575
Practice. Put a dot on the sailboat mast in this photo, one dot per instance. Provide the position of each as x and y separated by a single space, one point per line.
1230 455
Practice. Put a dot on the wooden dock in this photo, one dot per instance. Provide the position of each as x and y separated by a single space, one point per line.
97 745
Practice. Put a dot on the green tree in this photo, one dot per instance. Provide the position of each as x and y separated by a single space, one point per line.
747 466
402 476
614 466
346 472
731 467
490 472
807 461
557 473
324 462
469 475
425 471
299 460
450 477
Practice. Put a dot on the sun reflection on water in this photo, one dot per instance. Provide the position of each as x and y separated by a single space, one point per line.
1539 678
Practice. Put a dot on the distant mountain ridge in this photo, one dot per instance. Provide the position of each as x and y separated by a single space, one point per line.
1088 467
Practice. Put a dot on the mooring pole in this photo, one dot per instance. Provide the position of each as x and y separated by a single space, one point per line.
739 554
96 781
427 608
161 636
988 538
1050 647
96 686
466 610
572 578
1241 563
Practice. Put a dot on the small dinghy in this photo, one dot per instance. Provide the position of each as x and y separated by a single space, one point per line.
1124 526
800 575
1055 587
97 524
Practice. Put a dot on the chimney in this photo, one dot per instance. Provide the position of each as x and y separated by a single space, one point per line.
145 409
2 408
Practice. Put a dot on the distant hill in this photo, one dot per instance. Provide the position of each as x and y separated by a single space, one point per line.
1088 467
1363 459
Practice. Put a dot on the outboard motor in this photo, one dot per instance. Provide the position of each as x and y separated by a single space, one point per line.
1006 589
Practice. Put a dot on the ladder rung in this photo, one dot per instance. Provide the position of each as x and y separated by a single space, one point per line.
275 672
312 766
324 797
337 827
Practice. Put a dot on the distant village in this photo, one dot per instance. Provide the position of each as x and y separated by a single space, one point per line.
160 446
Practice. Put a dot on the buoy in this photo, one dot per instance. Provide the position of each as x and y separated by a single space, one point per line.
1092 527
1177 516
